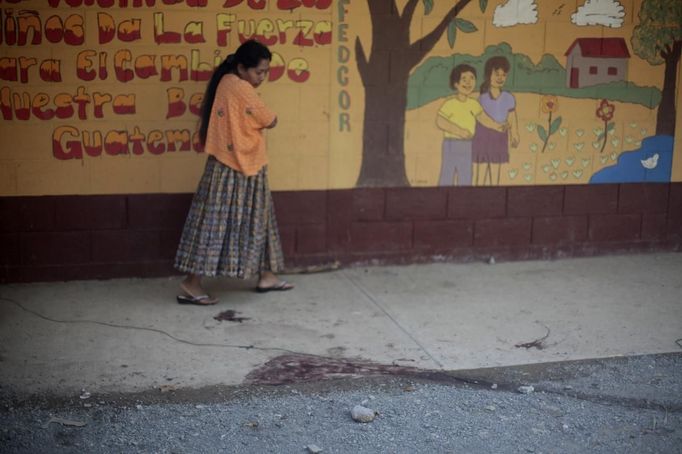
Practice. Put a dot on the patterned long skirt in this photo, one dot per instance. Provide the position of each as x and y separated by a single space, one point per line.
231 228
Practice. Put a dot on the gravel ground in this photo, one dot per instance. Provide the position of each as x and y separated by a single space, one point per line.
649 378
413 416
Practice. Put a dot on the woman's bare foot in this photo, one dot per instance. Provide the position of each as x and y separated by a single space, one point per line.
194 292
269 282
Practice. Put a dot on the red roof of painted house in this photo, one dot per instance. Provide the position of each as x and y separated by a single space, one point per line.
601 47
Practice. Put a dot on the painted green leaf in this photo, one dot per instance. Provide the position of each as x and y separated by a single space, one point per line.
650 35
483 4
600 136
465 25
555 126
610 126
542 133
452 33
428 6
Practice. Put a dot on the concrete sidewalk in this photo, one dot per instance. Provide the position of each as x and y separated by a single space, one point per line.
130 335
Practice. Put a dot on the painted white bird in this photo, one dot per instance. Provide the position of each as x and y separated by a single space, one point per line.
650 163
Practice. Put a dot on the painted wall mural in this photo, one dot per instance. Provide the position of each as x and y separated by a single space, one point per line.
102 96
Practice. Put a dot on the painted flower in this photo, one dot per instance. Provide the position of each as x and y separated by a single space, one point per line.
605 110
549 104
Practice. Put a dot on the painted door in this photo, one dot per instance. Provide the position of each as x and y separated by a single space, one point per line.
575 73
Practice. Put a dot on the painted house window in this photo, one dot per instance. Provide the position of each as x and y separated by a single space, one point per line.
593 70
613 71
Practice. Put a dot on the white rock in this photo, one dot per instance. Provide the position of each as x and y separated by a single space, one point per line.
362 414
314 449
526 389
490 407
493 386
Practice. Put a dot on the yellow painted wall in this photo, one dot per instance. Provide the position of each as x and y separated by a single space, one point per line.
318 94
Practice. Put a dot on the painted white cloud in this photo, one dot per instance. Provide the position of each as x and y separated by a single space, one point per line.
515 12
608 13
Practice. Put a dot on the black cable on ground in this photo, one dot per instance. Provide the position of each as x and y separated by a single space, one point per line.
153 330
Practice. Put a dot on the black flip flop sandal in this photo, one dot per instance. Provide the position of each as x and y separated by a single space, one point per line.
197 300
279 287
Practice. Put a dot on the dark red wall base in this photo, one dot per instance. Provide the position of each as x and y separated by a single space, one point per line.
100 237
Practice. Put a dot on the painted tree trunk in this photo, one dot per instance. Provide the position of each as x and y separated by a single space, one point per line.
385 79
383 136
665 118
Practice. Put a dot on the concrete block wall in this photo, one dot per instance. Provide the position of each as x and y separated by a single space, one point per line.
97 237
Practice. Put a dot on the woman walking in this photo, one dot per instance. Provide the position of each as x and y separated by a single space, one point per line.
231 228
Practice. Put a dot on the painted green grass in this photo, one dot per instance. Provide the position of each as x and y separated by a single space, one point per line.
430 80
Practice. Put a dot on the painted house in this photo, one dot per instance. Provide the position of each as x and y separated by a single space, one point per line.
592 61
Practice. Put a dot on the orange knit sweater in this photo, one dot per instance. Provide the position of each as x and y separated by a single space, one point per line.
235 127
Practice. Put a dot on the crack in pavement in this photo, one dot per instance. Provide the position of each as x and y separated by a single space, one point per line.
376 303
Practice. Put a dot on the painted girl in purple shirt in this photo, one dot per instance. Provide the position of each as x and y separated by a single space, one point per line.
490 146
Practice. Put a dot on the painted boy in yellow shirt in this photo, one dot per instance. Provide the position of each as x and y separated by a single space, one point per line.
457 118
